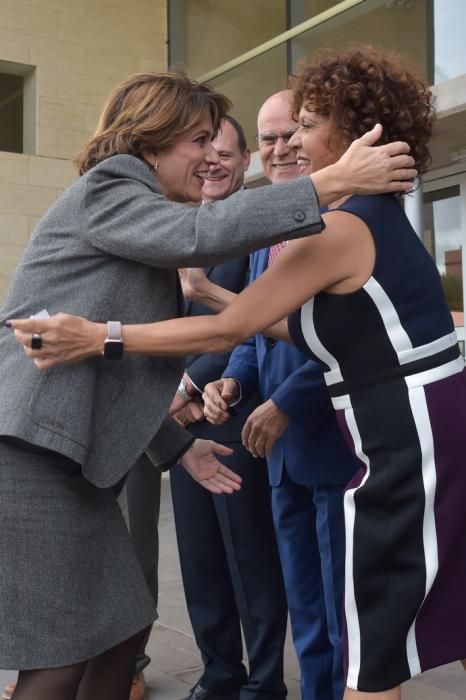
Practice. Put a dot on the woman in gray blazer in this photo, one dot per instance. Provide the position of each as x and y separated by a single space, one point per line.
74 603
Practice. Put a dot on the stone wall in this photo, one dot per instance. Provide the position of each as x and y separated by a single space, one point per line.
78 50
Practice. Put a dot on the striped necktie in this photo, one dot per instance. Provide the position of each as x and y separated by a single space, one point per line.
274 252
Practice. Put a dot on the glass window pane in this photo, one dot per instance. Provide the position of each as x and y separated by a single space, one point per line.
218 30
450 46
443 239
249 86
399 26
11 113
404 27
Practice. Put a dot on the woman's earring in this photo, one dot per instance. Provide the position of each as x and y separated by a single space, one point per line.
156 165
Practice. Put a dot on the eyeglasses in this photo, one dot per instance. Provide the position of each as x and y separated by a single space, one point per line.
271 139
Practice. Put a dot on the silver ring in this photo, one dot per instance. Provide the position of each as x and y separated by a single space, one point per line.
36 341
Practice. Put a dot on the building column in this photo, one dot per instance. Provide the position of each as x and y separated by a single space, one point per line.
414 208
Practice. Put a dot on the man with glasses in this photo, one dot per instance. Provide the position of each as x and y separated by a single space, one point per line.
309 464
228 553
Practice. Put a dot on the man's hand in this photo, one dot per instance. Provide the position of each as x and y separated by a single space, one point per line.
191 412
179 402
262 429
201 463
217 398
193 280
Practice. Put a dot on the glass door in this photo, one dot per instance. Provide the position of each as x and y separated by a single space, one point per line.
445 239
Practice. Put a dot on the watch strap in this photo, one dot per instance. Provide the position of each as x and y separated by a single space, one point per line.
114 330
113 344
183 391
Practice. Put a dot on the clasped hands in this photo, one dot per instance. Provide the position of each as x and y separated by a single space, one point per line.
264 426
200 460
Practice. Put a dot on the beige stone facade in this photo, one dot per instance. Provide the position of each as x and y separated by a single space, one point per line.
78 50
72 52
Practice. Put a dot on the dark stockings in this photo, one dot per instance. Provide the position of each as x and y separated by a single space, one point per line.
44 684
110 675
105 677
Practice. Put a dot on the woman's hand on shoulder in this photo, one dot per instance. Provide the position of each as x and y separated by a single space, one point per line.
371 169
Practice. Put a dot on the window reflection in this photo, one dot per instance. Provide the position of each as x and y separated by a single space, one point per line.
404 27
449 44
248 86
216 31
11 112
443 240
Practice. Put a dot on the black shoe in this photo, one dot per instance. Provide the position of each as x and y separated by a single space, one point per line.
200 693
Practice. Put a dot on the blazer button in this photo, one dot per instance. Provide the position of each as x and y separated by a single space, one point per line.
299 215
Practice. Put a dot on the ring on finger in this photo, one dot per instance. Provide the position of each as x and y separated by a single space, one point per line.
36 341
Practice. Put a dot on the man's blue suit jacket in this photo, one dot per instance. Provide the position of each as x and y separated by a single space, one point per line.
312 448
202 369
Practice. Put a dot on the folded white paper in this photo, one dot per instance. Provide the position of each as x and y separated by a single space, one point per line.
43 313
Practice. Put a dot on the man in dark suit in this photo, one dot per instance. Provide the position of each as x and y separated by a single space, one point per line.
229 558
309 464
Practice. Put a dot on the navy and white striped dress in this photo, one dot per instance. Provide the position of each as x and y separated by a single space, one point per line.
396 377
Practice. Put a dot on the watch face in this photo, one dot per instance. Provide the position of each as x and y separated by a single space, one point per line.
113 349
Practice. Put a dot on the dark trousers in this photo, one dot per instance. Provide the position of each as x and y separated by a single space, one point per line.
140 503
232 579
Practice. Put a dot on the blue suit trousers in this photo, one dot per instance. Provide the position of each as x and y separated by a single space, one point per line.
310 526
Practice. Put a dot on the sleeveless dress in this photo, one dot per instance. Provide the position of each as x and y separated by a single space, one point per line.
396 377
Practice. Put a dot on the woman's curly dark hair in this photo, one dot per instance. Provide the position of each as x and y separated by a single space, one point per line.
358 87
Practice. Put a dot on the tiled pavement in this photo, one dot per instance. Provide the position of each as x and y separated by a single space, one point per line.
176 664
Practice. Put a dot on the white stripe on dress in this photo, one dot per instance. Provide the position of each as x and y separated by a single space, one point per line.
340 403
420 411
403 347
313 342
428 376
435 374
351 611
429 349
395 331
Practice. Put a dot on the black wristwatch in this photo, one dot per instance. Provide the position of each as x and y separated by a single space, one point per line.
113 345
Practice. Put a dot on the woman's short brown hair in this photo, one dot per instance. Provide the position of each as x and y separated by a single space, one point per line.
358 87
150 111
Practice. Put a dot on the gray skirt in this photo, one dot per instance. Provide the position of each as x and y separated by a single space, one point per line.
70 583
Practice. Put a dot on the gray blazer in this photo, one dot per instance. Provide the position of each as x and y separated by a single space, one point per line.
109 249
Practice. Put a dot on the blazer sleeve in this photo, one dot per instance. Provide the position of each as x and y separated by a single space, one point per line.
243 367
207 368
303 396
169 444
126 217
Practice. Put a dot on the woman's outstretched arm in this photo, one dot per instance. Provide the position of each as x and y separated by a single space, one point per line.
344 252
199 288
